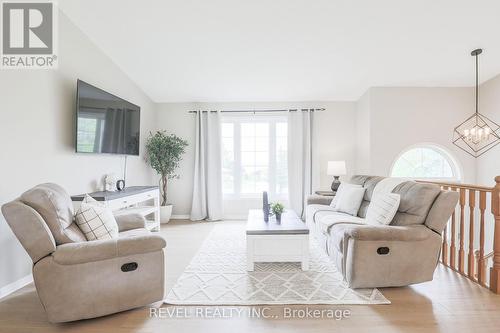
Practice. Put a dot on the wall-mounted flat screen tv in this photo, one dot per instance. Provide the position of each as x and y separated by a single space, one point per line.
105 123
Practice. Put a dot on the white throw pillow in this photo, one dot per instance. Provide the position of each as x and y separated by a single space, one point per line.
95 220
340 192
383 208
350 201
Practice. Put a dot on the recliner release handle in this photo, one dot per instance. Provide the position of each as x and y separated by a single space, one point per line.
129 267
383 250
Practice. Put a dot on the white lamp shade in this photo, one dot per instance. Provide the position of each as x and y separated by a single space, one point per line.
336 168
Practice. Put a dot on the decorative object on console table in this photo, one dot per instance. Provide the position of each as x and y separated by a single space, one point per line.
277 210
143 200
336 169
164 153
120 185
265 206
110 182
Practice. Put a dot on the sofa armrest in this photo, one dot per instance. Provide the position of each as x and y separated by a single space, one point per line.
83 252
387 233
130 221
319 200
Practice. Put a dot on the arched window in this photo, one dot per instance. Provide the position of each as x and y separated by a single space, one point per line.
426 161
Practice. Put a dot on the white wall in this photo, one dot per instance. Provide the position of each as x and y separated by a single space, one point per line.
37 110
488 165
334 139
401 117
363 134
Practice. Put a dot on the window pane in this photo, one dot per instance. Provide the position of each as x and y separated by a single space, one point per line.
262 144
247 158
247 129
227 129
423 162
281 144
227 181
262 129
247 144
87 129
228 144
282 129
247 147
262 158
247 179
261 179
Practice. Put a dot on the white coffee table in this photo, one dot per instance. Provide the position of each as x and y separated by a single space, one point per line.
271 241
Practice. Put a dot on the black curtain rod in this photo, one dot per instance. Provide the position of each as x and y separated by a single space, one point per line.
256 111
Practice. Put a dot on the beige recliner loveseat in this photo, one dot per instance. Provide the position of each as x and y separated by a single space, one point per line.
399 254
79 279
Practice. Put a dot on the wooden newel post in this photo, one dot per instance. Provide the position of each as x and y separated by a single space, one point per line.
495 209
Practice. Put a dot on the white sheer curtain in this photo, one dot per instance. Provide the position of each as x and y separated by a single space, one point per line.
299 158
207 185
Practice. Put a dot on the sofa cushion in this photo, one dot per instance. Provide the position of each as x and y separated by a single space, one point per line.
368 182
56 208
350 200
86 252
363 208
134 232
416 201
337 233
95 220
313 210
342 190
336 239
30 229
441 210
325 220
382 208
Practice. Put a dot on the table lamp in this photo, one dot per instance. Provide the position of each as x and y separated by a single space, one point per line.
336 169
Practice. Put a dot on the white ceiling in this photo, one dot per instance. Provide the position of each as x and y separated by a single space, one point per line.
290 50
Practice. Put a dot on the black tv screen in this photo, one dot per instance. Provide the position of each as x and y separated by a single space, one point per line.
105 123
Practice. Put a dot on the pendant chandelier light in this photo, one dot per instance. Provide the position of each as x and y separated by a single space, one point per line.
477 134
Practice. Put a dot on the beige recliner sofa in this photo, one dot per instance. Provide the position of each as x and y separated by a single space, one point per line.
399 254
79 279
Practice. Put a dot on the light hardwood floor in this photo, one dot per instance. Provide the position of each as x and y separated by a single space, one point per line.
450 303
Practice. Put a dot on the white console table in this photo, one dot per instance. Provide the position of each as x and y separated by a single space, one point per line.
144 200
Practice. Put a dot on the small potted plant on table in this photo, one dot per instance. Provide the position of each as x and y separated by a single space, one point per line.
277 209
164 153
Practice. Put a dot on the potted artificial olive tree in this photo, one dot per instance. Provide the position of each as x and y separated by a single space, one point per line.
164 152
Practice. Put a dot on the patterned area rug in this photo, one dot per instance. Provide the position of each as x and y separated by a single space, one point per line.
217 276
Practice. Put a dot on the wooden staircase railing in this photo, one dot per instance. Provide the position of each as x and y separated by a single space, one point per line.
466 255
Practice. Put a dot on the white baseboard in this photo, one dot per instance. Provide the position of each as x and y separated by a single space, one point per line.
235 217
180 217
16 285
228 217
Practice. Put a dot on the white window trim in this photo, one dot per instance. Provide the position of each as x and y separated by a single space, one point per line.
456 167
264 118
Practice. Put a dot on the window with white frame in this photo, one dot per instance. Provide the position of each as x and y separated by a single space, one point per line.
254 155
426 162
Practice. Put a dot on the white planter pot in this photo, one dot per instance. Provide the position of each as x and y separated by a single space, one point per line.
165 213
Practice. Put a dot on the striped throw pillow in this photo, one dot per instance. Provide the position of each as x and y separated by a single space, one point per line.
95 220
382 208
